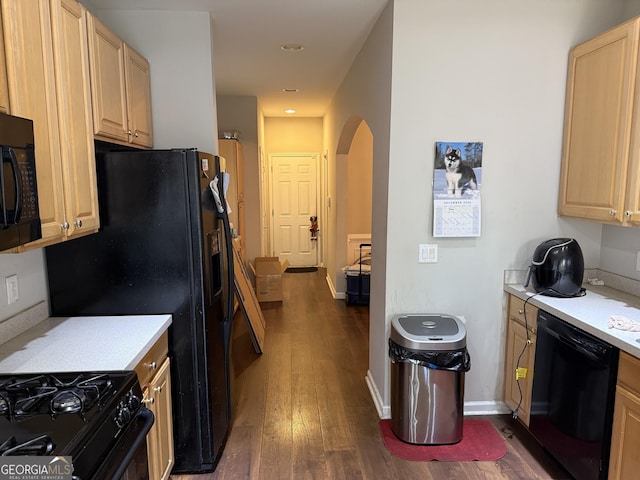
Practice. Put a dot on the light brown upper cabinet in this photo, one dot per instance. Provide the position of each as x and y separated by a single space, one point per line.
138 97
4 94
600 176
121 89
48 82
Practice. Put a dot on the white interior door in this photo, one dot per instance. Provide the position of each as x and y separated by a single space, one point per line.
294 200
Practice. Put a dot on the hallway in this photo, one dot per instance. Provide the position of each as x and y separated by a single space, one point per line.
302 409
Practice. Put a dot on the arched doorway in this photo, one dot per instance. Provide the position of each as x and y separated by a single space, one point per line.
354 185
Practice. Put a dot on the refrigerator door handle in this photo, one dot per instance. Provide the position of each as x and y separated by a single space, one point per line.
228 244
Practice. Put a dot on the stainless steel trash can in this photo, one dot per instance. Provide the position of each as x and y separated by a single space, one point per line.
429 359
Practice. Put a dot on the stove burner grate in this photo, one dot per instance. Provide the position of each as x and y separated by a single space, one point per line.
40 445
53 394
93 417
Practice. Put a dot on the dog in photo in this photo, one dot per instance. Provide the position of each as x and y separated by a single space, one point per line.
459 176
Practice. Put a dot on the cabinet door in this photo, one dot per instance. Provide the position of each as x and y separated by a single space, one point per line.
231 150
32 93
4 94
625 456
74 114
106 59
228 150
597 127
241 228
632 207
241 203
518 346
138 98
160 438
632 199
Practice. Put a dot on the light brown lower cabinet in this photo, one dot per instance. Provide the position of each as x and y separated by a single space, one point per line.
157 397
624 462
155 379
520 353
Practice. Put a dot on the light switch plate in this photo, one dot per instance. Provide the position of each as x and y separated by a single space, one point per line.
427 253
12 289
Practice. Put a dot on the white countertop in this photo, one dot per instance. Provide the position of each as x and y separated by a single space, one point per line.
68 344
592 312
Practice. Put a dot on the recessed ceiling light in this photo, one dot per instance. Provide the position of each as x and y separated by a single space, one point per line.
291 47
290 110
290 90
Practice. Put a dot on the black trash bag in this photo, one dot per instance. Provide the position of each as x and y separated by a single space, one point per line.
453 361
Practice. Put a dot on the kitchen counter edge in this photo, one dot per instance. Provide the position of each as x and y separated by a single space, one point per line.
82 344
591 313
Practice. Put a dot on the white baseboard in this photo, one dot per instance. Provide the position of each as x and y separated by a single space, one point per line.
383 411
494 407
332 288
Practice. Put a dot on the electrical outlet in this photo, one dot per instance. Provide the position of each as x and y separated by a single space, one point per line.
13 295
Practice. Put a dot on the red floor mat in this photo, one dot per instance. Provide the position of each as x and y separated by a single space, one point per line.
480 442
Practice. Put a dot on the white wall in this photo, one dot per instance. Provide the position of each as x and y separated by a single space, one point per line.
497 75
179 48
32 283
360 181
365 94
620 247
631 8
293 135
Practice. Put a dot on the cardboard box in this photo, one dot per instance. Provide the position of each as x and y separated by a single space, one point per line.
268 272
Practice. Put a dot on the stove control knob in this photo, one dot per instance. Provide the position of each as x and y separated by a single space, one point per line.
133 402
123 417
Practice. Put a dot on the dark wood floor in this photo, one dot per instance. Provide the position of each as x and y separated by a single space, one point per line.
302 409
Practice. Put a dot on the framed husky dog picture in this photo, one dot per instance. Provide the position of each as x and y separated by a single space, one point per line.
457 178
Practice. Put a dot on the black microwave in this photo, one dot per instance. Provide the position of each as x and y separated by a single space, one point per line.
19 214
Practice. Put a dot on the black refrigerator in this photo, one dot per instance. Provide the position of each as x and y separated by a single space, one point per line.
163 247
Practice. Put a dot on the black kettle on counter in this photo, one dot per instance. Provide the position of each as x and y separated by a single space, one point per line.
557 268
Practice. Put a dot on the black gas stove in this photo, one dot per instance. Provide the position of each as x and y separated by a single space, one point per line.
95 418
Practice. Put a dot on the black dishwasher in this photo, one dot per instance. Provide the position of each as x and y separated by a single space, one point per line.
573 396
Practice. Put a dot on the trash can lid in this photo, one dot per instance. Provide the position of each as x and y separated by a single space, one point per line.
428 331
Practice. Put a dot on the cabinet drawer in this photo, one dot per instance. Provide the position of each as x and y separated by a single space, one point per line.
516 311
152 361
629 372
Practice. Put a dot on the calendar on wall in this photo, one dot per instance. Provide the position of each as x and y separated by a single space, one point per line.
457 178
